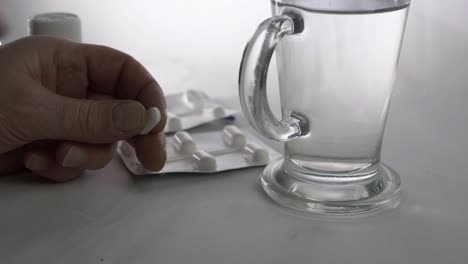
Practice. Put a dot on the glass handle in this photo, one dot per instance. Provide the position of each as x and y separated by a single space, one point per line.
253 79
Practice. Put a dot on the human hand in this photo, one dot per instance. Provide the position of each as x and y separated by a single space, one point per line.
64 105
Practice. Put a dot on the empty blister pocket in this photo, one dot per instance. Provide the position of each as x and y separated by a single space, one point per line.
191 109
206 152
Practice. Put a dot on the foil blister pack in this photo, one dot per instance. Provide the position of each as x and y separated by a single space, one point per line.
206 152
193 108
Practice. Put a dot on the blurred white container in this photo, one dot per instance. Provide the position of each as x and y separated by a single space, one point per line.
65 25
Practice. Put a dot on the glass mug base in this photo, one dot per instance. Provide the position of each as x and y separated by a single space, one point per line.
330 195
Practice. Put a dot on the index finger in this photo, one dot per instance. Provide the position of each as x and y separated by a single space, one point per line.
118 74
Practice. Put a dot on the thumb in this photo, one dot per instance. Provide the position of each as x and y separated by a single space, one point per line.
93 121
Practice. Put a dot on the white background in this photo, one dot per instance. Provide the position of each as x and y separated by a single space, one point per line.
185 44
194 44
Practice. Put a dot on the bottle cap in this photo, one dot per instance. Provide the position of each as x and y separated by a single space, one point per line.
64 25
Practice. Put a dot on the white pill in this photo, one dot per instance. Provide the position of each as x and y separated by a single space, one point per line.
255 154
184 143
233 137
153 116
174 123
203 161
218 112
196 100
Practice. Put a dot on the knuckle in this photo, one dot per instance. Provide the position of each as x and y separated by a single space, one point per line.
87 123
78 120
83 121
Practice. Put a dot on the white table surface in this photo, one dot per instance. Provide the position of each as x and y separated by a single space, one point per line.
109 216
113 217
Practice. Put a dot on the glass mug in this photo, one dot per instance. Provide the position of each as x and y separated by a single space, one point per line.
336 63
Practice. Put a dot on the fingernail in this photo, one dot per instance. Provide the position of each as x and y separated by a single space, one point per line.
36 162
129 116
74 158
153 117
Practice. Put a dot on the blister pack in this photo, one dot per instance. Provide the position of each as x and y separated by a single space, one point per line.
191 109
206 152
